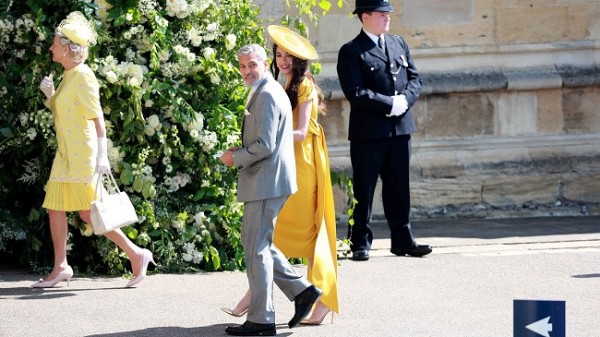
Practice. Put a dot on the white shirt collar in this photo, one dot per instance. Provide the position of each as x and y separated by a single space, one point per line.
374 37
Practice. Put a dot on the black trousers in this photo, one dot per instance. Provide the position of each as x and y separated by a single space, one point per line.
388 159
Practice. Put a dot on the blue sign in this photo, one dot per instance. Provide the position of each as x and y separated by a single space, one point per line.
538 318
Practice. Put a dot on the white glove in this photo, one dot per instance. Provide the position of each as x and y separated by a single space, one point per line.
102 163
399 106
47 86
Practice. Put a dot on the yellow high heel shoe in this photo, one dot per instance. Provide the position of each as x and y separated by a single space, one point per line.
64 275
146 259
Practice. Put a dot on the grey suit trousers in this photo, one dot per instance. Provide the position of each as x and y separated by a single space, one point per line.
264 262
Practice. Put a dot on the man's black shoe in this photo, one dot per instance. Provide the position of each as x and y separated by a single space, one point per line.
360 255
252 329
303 303
413 250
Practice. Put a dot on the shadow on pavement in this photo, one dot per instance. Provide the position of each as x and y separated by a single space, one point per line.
203 331
587 276
491 228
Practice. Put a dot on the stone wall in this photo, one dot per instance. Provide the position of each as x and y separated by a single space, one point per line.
509 116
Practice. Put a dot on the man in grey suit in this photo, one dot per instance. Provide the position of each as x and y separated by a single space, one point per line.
267 176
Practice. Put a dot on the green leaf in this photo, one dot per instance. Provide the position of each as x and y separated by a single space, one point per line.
7 132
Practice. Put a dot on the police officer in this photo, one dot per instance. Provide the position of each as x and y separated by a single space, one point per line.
381 82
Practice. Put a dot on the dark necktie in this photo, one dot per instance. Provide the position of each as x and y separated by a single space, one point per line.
380 43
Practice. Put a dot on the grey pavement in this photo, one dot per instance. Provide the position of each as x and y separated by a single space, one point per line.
466 287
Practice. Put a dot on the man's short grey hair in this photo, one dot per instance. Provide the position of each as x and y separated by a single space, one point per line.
253 49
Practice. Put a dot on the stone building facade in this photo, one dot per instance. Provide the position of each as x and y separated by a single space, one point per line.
509 116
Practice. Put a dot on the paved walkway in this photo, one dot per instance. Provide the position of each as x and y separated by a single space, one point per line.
466 287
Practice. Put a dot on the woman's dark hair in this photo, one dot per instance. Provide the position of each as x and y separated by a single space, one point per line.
300 71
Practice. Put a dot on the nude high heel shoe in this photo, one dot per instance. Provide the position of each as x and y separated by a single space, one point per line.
241 308
230 311
146 259
317 320
64 275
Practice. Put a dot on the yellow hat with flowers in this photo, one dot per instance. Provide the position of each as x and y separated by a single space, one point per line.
78 29
292 42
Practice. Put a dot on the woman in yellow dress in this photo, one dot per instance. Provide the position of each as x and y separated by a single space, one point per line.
82 148
306 224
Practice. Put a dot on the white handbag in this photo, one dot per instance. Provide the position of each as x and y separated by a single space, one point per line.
111 211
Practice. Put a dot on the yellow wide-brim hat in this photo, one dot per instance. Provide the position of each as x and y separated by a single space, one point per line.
292 42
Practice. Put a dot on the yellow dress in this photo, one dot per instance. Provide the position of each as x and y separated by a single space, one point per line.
306 224
74 105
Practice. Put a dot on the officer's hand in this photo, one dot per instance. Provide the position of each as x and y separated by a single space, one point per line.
399 106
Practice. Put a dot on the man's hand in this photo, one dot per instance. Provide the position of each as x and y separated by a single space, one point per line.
47 86
102 163
227 156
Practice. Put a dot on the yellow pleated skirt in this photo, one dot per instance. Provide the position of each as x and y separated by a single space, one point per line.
306 224
68 197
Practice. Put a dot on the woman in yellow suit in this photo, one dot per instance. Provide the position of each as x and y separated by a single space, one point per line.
82 148
306 224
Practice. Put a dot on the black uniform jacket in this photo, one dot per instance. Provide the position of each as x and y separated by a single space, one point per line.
369 79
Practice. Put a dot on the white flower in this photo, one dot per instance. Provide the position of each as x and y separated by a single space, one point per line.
198 257
187 257
196 40
194 36
230 41
129 54
197 123
189 247
149 131
149 103
208 140
162 22
153 121
215 79
177 224
134 82
111 77
211 27
41 36
127 35
128 17
31 133
23 117
208 53
164 55
199 218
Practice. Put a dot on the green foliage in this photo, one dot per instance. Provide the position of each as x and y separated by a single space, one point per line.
344 182
172 98
311 8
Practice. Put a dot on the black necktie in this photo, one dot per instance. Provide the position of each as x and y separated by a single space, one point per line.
380 43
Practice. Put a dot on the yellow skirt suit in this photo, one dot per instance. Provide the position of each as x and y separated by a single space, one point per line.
74 105
306 225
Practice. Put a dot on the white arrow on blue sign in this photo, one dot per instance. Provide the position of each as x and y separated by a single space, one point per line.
535 318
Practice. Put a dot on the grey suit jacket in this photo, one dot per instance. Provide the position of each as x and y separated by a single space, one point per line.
266 164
